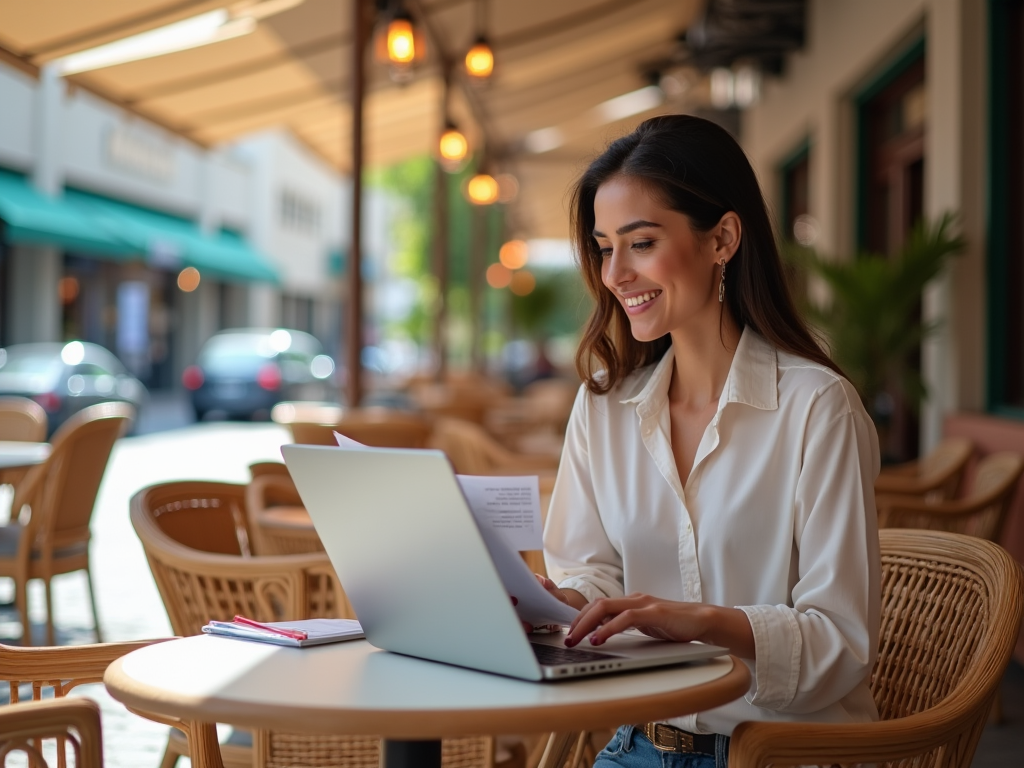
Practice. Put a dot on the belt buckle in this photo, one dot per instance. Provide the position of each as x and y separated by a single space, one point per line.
676 741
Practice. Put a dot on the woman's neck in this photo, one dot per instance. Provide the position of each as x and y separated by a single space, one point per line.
703 356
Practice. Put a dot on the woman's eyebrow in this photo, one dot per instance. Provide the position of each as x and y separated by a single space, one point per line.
627 228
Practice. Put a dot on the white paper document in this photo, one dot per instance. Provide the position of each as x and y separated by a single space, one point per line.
507 513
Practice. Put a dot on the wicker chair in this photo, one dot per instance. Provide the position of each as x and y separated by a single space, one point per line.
474 452
385 427
981 512
197 586
74 722
21 420
951 611
61 493
309 423
936 476
279 523
58 669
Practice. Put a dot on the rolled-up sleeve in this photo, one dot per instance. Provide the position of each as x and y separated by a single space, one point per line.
577 552
816 651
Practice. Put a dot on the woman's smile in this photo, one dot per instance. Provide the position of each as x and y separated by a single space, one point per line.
640 302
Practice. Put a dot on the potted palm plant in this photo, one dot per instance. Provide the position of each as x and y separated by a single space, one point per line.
872 320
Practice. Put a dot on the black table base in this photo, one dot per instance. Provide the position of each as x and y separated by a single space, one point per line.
411 754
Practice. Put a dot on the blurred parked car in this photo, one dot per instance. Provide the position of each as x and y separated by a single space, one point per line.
65 378
246 371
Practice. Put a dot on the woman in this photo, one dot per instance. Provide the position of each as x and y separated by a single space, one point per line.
717 478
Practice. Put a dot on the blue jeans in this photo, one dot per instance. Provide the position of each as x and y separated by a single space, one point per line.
629 749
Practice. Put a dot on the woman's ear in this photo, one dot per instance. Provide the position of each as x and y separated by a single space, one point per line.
727 235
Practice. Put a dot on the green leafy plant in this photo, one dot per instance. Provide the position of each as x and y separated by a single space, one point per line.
873 320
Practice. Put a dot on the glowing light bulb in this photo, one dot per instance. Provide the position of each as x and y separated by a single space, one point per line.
454 146
514 254
482 189
480 59
401 41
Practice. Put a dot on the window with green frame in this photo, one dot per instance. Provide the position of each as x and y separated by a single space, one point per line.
1006 205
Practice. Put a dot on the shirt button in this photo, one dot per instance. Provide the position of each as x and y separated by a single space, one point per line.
689 528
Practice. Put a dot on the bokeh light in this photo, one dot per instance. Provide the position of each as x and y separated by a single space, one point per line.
499 276
480 60
514 254
482 189
67 289
523 283
454 146
401 41
188 279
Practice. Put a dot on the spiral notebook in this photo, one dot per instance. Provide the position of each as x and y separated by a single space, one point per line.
318 631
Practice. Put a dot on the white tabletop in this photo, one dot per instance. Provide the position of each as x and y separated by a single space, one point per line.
19 454
353 688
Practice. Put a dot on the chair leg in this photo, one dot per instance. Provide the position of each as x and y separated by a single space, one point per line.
92 602
170 758
50 634
21 598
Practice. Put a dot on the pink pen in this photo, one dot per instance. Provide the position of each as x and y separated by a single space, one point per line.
294 634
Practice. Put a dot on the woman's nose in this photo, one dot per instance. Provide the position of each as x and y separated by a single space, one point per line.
617 270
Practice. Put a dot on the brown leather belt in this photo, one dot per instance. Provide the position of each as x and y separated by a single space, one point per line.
668 738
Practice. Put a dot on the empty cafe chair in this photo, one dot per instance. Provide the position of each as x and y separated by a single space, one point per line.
936 476
981 512
53 538
278 522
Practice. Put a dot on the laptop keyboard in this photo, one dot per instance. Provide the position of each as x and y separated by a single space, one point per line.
550 655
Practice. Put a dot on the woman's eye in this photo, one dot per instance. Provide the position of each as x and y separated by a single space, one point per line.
604 253
642 245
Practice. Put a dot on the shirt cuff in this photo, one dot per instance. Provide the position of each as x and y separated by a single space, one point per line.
777 646
584 587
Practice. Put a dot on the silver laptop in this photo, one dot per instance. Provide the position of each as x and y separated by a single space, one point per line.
412 560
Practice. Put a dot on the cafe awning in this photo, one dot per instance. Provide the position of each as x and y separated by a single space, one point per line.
173 242
32 217
543 113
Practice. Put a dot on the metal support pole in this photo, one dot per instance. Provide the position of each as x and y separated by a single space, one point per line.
354 347
441 269
411 754
477 258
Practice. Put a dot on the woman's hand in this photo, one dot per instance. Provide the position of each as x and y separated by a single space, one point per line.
664 620
567 596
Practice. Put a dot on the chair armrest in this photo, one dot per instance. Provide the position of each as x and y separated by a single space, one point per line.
77 663
760 744
32 721
914 504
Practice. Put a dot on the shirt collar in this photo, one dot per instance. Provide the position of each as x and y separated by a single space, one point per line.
752 380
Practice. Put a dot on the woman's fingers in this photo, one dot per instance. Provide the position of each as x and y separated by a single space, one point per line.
598 613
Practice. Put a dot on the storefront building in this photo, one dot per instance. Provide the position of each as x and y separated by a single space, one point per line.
115 231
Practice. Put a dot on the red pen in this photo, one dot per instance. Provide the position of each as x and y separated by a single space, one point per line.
294 634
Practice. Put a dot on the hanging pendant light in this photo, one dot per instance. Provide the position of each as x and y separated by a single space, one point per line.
482 189
453 147
480 57
399 42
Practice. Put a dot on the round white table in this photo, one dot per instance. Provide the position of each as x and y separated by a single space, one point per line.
18 454
354 688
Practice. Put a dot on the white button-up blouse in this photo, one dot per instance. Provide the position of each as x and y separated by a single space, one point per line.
777 518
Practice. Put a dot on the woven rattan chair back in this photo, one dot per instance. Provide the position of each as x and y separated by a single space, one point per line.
309 423
982 512
197 585
205 516
277 519
385 427
472 451
951 612
259 468
22 420
937 475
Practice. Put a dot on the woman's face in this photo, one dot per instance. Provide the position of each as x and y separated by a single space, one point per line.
660 269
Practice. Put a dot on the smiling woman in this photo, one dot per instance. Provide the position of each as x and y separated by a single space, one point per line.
716 483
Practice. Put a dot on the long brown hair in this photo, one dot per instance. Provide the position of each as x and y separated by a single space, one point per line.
696 168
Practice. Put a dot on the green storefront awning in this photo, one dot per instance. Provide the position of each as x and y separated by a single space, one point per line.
86 223
172 242
32 217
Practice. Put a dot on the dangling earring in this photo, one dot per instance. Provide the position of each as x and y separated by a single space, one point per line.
721 285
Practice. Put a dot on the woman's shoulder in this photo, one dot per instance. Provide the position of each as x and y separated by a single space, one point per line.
801 380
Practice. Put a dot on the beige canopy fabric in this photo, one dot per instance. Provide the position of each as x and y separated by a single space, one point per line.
556 62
